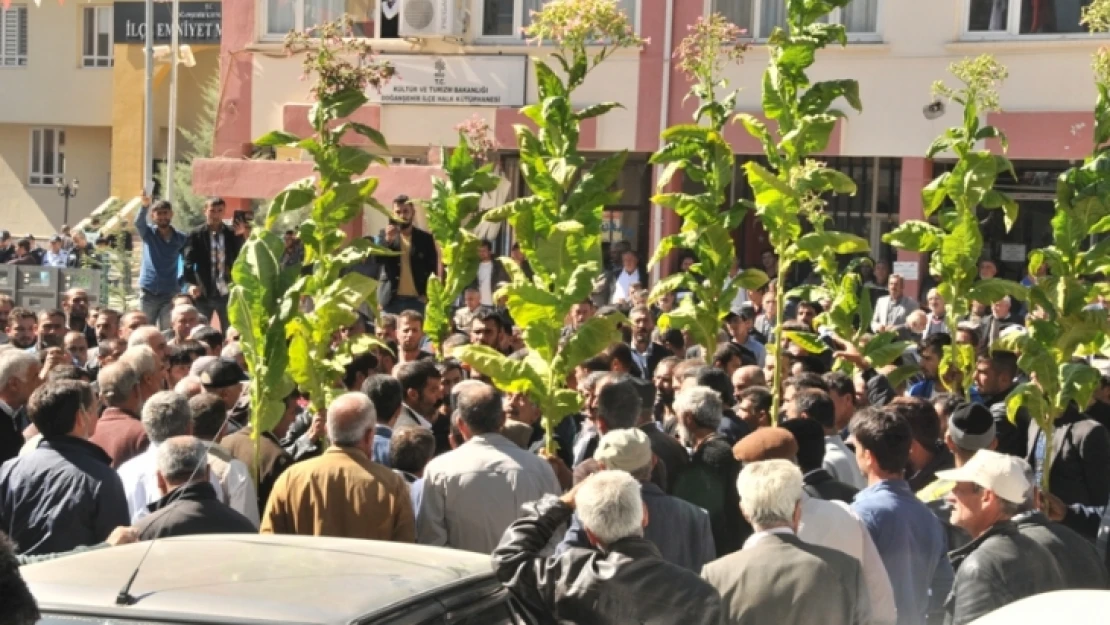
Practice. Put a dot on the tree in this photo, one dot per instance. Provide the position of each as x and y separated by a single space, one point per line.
559 225
1062 324
791 189
188 209
453 211
292 318
957 243
700 151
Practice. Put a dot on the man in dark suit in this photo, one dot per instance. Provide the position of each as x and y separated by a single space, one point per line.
777 578
210 252
423 390
407 274
646 352
1080 467
19 377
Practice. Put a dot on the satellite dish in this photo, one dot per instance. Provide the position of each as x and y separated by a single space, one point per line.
933 110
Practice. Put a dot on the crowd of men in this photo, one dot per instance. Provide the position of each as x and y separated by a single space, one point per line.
673 496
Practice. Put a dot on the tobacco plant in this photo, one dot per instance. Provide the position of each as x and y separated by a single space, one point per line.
1062 324
559 225
319 304
453 211
790 190
699 150
953 197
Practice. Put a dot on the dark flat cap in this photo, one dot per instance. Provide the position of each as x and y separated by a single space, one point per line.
766 444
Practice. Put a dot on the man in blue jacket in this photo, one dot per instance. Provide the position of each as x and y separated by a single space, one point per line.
162 245
64 494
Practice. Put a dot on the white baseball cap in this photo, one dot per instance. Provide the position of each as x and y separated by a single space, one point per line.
1001 474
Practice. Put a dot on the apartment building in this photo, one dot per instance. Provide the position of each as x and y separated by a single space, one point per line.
478 67
71 102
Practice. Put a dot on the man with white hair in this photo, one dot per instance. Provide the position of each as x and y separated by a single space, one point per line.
189 504
182 321
143 361
623 579
343 492
777 577
1000 565
165 415
709 480
678 529
19 377
119 432
152 338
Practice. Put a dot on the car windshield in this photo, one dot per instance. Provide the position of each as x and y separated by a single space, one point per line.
57 619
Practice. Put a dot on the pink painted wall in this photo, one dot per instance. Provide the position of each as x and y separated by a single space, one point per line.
916 173
233 119
653 57
505 118
1064 135
686 12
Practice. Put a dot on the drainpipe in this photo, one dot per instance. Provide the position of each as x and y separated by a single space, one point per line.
664 114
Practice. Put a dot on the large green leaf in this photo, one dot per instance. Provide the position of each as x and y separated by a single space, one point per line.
808 341
276 138
916 236
512 376
815 243
994 289
589 340
821 95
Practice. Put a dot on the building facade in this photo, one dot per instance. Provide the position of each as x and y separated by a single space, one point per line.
71 103
897 50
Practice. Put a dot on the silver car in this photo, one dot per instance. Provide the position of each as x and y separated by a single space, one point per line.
253 579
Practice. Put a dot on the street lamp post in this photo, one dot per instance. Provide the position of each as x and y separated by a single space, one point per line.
67 189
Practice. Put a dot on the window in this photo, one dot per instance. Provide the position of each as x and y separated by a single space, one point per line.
48 159
97 41
1025 17
282 16
13 37
760 17
506 18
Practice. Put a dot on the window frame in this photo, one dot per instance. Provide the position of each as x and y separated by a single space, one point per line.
94 60
41 178
835 17
1013 27
263 15
18 9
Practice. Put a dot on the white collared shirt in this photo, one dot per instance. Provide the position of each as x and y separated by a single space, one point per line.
485 282
623 289
140 484
758 536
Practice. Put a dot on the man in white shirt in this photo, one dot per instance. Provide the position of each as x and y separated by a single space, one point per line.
629 274
56 256
490 274
473 493
891 310
165 415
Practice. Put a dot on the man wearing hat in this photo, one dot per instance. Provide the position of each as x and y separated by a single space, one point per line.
828 524
1000 565
224 377
405 276
680 530
56 256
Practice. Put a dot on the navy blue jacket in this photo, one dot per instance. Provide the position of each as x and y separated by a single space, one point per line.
62 495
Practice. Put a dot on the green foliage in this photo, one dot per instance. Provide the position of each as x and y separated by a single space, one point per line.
953 198
453 211
294 317
559 225
701 152
1061 324
188 207
791 190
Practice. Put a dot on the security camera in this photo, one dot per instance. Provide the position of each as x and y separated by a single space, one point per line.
933 110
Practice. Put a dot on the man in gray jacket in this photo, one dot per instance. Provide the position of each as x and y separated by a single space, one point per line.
623 581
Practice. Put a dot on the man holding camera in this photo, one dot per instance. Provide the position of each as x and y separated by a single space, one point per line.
405 277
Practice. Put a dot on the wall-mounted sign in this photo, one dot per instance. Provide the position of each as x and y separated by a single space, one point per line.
198 22
454 80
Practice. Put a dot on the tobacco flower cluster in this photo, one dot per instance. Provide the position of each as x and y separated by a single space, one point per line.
981 77
710 46
340 61
479 137
573 24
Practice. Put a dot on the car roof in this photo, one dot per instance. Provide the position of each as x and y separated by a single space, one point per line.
1061 606
251 578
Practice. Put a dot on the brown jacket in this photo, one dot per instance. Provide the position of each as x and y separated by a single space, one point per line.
274 459
120 435
344 494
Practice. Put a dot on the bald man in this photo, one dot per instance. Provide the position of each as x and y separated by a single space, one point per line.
746 377
343 492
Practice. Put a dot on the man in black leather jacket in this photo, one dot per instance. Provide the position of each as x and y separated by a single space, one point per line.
1000 565
617 583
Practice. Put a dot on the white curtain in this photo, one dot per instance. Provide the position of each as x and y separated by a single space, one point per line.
773 13
861 16
280 16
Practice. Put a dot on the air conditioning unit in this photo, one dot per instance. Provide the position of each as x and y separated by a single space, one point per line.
433 18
